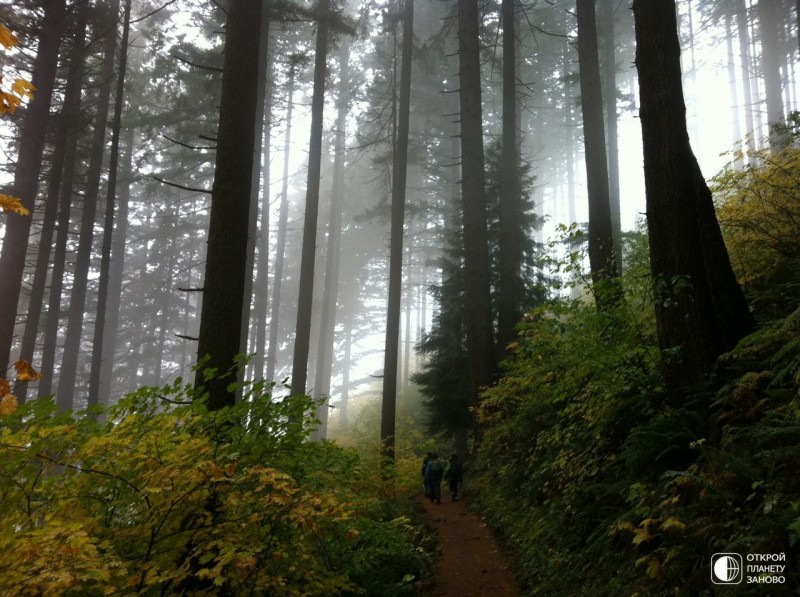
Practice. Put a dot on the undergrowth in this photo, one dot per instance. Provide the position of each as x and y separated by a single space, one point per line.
166 497
601 486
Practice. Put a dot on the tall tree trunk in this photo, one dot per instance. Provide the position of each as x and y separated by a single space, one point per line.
692 75
65 133
797 21
54 299
746 68
510 288
406 342
601 239
304 303
280 243
108 226
480 344
569 141
257 276
399 173
612 141
330 293
345 394
769 29
226 260
700 309
261 301
732 86
69 362
117 267
26 173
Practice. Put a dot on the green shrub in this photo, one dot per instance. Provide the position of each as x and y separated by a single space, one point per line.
603 487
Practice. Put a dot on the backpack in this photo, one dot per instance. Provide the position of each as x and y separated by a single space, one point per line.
437 469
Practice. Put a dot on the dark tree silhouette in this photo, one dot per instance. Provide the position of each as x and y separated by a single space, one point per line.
480 340
399 170
226 262
511 288
302 338
111 201
601 243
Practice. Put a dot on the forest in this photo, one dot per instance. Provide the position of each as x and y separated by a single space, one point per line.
259 257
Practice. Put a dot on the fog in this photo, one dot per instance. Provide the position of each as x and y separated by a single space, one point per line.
167 167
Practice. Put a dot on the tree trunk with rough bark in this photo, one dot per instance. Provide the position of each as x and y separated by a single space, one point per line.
700 308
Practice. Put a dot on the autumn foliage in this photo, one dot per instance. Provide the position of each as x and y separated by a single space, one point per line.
166 497
11 98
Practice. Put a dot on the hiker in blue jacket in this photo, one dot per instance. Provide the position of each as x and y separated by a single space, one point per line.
434 471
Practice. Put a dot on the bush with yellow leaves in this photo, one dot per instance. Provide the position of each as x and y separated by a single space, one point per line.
758 206
169 498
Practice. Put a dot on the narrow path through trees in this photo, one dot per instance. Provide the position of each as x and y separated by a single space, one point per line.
471 563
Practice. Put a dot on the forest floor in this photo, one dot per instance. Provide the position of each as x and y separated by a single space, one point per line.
471 562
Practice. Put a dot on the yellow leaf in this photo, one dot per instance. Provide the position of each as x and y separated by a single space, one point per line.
8 39
621 526
12 204
641 536
8 102
672 523
8 404
654 569
25 372
645 524
5 387
22 88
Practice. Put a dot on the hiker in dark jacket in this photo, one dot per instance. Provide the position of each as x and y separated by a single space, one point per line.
454 476
425 485
434 471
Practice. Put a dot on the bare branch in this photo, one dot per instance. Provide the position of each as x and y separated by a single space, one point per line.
180 186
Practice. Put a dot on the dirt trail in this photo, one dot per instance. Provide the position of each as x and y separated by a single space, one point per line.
471 563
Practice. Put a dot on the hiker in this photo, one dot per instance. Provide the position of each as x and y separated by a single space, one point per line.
454 475
434 471
425 486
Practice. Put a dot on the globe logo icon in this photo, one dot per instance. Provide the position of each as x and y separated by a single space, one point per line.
726 568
